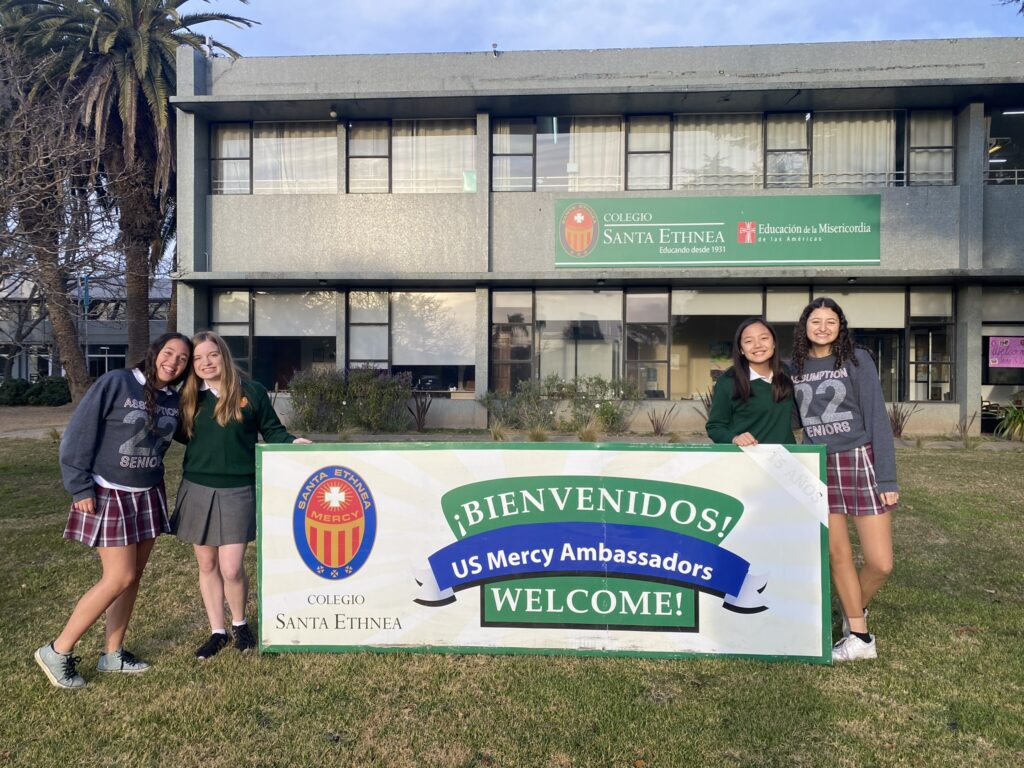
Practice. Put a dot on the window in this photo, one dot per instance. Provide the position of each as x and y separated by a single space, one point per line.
930 151
230 156
717 151
647 342
369 157
703 325
512 155
295 158
274 158
511 339
579 154
579 334
368 322
292 332
854 149
787 156
433 156
433 338
931 344
648 153
229 317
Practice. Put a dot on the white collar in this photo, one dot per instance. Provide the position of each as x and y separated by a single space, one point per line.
141 378
754 376
205 387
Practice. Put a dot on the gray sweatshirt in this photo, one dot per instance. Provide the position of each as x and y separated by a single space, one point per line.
108 436
843 409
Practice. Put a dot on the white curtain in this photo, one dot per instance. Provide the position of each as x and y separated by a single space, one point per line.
717 150
295 158
368 156
931 147
433 156
854 149
231 159
595 154
433 328
512 156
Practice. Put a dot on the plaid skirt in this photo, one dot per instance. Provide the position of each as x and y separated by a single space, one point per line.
852 489
121 518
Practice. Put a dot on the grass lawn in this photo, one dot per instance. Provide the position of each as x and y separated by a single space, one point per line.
947 690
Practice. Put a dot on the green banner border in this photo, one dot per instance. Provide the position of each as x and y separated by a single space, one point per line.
826 581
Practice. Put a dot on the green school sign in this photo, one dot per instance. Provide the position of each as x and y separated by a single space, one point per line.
777 230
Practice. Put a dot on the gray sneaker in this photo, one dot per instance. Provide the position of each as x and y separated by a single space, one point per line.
122 661
59 667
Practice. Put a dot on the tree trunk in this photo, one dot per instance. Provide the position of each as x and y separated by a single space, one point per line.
172 308
137 305
65 332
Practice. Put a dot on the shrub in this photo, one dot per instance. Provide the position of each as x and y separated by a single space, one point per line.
377 399
49 390
419 409
319 400
1011 426
535 404
660 420
899 416
12 392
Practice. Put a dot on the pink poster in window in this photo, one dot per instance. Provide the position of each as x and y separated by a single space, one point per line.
1006 352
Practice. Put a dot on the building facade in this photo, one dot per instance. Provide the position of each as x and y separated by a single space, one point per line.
478 219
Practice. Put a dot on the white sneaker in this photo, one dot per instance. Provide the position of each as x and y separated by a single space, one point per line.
852 648
846 622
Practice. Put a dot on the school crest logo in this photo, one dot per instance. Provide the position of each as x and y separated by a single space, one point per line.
334 522
746 232
578 230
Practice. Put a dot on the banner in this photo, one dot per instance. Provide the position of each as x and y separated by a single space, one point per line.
1006 351
775 230
656 550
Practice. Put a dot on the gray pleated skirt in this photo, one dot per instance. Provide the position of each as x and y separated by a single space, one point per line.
214 516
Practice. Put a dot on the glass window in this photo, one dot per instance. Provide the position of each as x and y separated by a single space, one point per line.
930 153
368 323
278 358
648 152
309 313
511 339
931 302
368 307
931 363
295 158
433 156
433 328
703 324
647 335
869 308
717 151
369 156
853 149
512 155
229 159
580 154
787 160
579 333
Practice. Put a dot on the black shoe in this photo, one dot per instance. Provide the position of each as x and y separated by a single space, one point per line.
212 646
244 641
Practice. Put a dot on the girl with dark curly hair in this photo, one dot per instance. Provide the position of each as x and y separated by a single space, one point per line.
112 464
841 407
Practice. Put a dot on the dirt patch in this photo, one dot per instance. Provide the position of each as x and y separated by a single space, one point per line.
17 420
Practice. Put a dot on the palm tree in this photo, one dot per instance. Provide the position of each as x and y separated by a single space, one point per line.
121 55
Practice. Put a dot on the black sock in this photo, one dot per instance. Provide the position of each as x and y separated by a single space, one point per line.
863 636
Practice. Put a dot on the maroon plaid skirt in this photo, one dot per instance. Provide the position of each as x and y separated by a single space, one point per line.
852 489
121 518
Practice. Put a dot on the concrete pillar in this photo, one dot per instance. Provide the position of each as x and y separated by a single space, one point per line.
968 353
971 161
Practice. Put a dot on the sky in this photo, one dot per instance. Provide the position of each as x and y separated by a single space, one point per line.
317 27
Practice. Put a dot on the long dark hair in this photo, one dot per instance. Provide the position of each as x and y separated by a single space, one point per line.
842 347
148 368
782 385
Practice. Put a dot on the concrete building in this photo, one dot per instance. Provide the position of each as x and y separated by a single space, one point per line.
480 218
27 347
